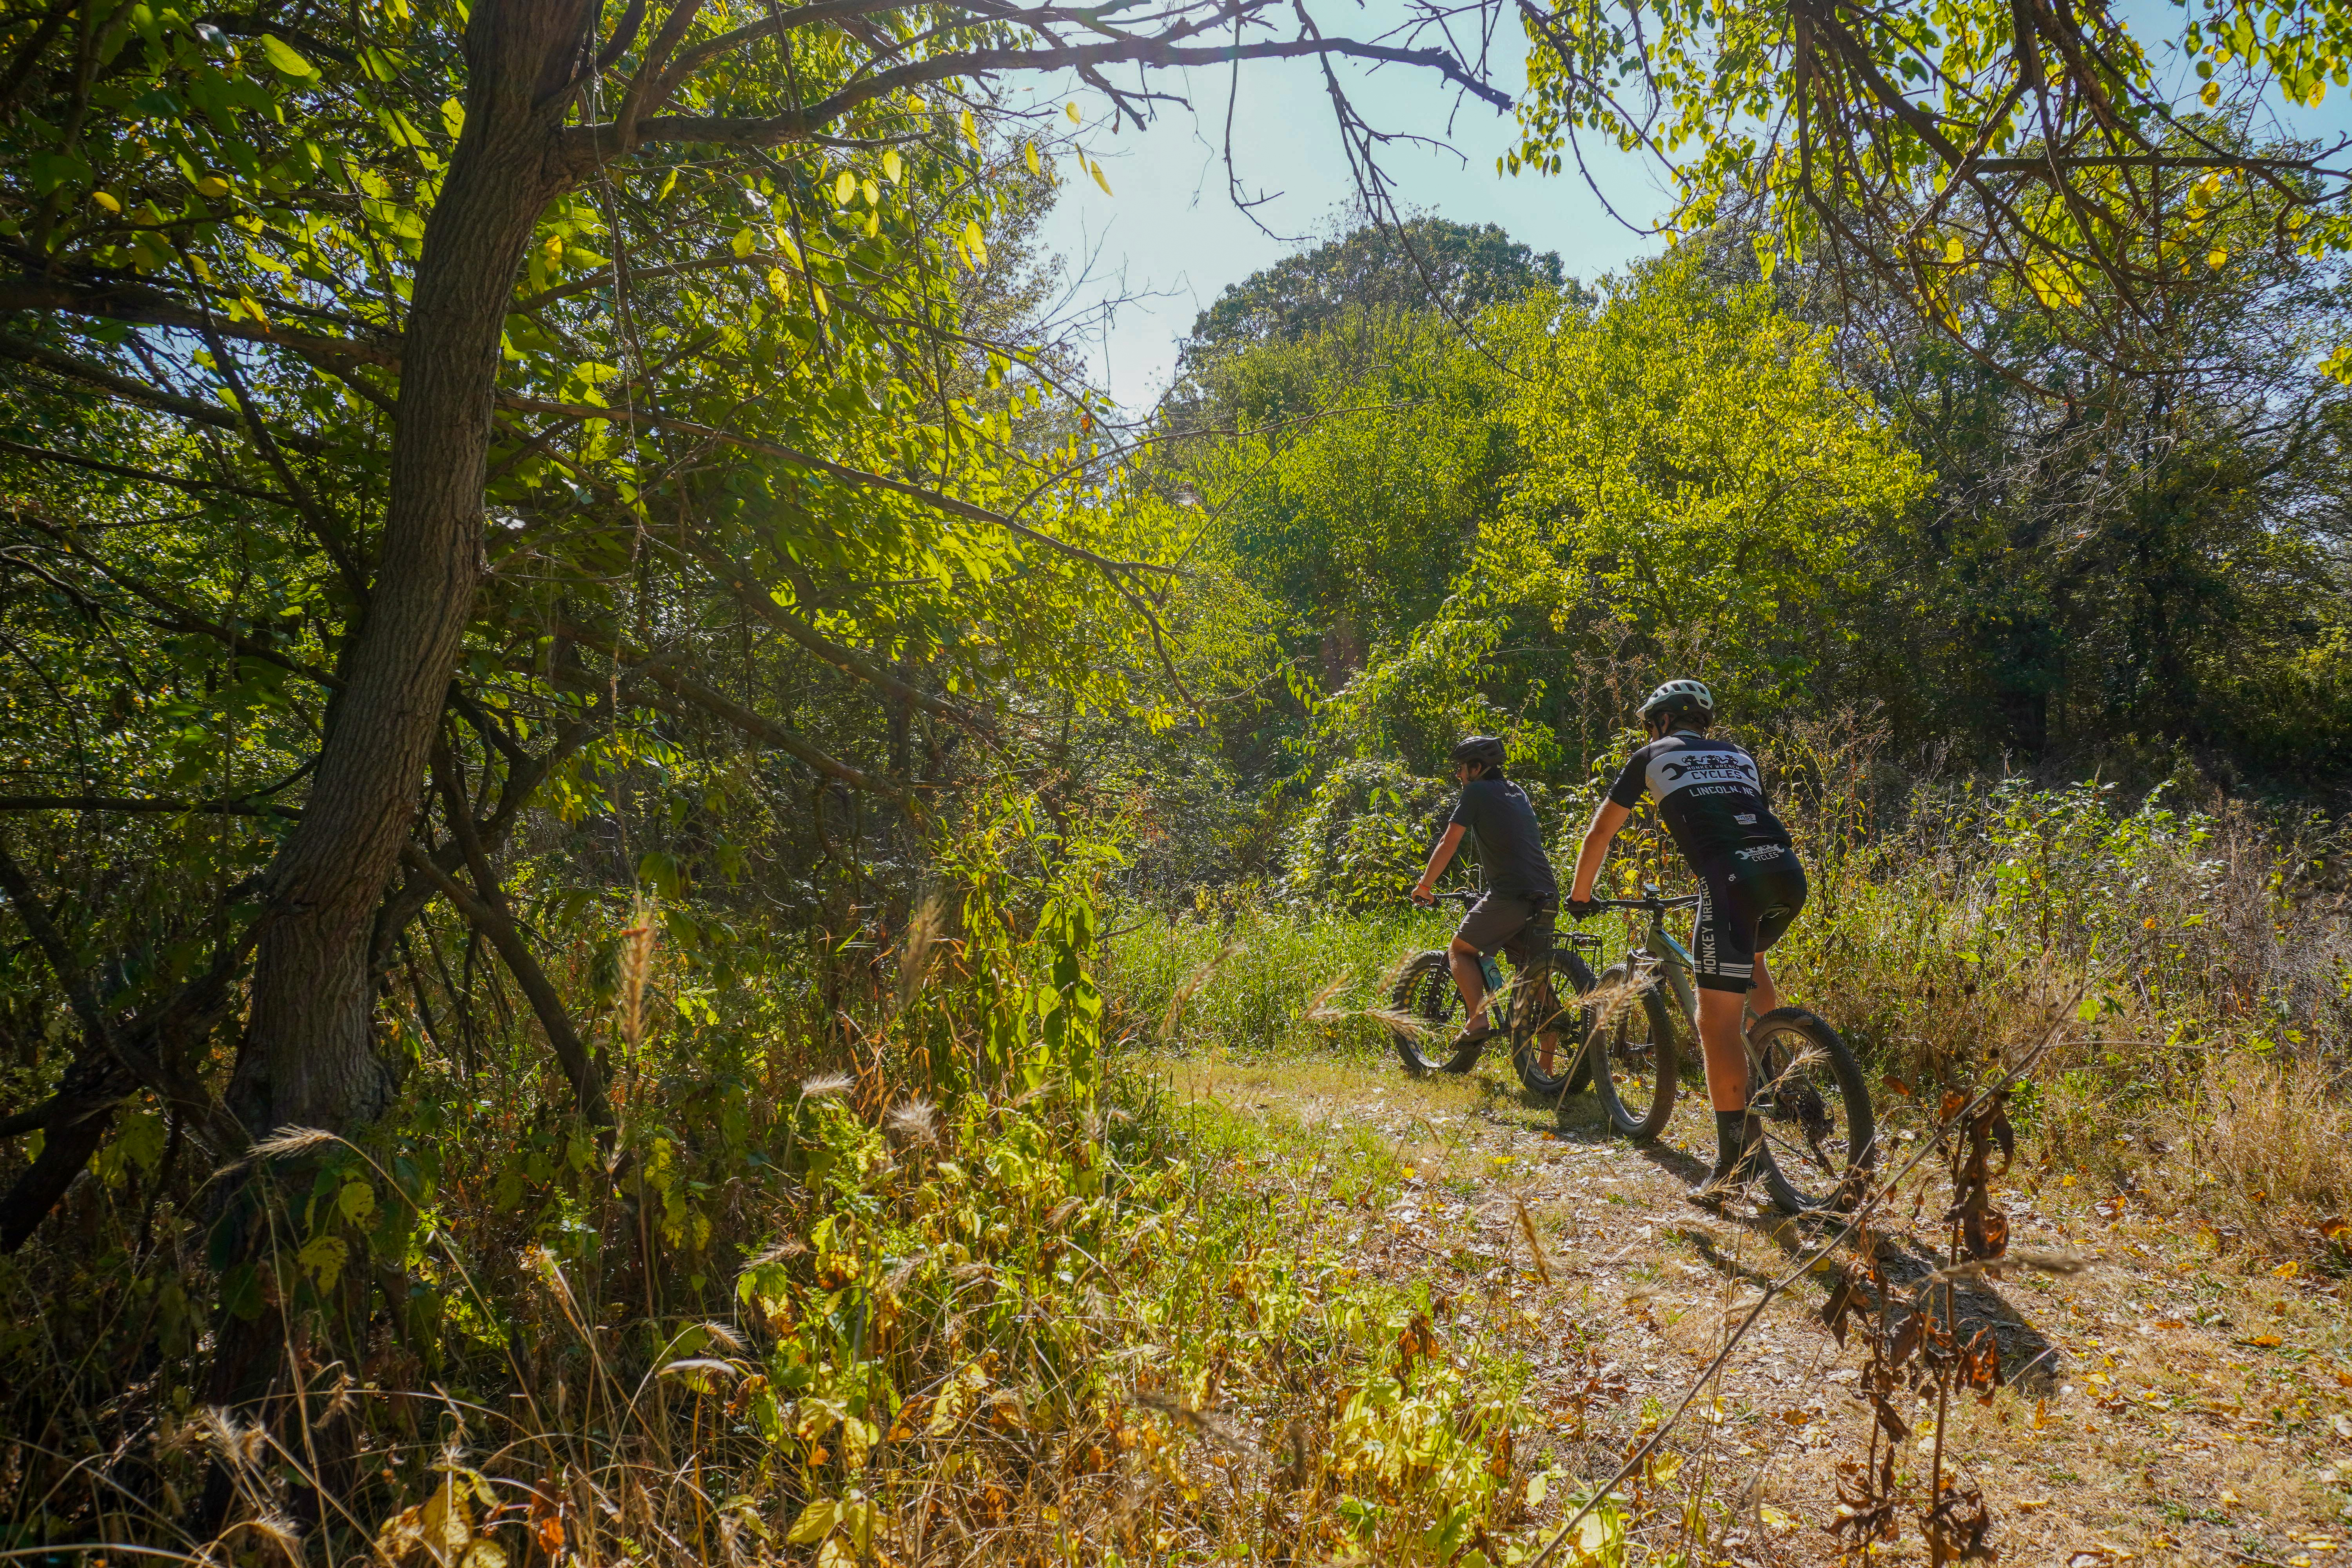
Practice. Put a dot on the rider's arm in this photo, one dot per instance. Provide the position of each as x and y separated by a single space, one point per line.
1606 821
1438 858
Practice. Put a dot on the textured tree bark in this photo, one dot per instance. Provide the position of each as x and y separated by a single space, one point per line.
308 1059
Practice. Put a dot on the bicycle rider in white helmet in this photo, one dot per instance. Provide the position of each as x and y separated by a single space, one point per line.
1750 887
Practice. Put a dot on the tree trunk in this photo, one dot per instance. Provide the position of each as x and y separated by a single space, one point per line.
308 1059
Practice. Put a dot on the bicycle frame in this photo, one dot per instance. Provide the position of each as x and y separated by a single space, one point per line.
1679 966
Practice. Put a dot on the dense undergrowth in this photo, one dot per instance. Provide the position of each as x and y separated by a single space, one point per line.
987 1297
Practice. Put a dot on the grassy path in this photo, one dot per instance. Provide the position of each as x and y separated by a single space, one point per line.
2174 1402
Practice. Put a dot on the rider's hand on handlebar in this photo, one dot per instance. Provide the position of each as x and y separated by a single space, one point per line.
1581 908
1425 898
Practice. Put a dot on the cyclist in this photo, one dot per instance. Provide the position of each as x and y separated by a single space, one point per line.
1522 895
1750 887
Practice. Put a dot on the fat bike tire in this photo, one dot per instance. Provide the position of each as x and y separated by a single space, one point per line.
1635 1063
1572 1061
1424 992
1820 1131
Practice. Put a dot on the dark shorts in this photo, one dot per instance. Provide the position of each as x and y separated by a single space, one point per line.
1519 927
1744 905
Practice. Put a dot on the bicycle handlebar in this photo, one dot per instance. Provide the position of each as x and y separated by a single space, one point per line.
1654 906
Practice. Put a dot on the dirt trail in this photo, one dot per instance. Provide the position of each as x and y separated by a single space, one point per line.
2173 1403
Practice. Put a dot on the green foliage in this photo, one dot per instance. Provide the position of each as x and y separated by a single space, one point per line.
1423 264
1695 475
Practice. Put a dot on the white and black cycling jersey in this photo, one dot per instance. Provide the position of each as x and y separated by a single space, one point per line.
1712 798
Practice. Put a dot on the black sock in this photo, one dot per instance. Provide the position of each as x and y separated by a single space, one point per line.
1730 1137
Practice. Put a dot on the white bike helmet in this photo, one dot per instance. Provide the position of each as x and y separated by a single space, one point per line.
1680 697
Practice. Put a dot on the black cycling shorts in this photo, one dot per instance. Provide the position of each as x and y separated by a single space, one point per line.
1745 903
1519 927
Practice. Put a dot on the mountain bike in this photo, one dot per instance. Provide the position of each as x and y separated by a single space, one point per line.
1804 1086
1529 1004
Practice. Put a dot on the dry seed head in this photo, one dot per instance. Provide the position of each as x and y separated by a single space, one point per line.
1318 1005
1610 999
277 1528
292 1141
636 964
721 1334
914 949
1408 1024
1535 1247
233 1444
791 1247
1213 1426
826 1085
1191 985
914 1121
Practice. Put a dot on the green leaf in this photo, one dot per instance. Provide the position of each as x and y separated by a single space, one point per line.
285 56
240 1292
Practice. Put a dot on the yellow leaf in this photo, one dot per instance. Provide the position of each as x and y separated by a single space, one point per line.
1095 170
744 242
843 188
975 242
1029 152
1071 110
815 1523
778 284
1954 251
108 202
784 243
2211 95
212 186
484 1554
873 193
857 1440
447 1522
893 165
970 130
2216 256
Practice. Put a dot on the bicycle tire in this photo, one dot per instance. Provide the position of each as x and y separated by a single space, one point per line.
1526 1051
1627 1068
1819 1131
1425 991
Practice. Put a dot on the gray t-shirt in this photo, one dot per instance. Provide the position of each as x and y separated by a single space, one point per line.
1510 845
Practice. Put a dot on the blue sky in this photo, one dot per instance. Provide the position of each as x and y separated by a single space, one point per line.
1171 234
1170 238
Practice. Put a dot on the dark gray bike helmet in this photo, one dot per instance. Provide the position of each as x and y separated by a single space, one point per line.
1679 698
1483 749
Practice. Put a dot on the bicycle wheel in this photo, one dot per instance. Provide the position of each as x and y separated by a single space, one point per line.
1633 1058
1819 1130
1424 992
1533 1008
